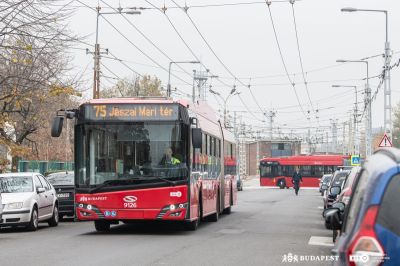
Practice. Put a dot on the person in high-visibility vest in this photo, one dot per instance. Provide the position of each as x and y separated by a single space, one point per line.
168 159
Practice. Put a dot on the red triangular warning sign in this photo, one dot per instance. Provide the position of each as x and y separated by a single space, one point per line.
385 142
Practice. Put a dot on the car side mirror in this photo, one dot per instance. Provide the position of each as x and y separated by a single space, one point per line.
335 190
339 205
328 212
40 190
336 221
197 138
57 126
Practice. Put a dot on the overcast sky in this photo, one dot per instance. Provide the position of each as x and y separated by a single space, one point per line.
243 39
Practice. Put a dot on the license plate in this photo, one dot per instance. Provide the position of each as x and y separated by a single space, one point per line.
63 195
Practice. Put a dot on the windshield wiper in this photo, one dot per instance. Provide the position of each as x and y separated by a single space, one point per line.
166 180
105 184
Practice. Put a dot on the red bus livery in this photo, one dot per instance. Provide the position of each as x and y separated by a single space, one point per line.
279 171
150 159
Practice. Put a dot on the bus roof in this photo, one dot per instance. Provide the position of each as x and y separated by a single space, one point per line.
208 120
133 100
308 160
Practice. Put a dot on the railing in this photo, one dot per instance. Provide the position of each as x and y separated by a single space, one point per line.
44 167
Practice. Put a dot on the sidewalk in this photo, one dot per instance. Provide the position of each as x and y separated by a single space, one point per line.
251 181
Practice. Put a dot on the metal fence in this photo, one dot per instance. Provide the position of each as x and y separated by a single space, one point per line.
44 167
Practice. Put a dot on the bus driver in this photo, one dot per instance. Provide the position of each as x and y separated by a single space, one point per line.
168 159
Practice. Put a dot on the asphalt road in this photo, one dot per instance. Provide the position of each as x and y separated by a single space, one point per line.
266 225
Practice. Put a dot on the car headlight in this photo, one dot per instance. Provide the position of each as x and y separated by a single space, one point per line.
15 205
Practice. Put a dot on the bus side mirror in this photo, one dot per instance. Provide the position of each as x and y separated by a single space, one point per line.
196 138
57 126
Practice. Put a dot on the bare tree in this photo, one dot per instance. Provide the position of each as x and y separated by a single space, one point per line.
144 86
33 63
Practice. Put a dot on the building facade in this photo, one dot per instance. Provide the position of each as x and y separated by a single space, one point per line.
259 149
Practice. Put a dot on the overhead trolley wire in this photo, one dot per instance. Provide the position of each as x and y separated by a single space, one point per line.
300 58
148 39
190 49
140 50
283 60
215 54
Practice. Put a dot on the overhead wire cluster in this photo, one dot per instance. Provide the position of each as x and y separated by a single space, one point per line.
228 70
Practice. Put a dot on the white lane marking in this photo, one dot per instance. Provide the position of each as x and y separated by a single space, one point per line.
321 241
321 207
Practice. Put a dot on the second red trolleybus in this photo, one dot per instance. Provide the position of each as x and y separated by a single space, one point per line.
121 172
279 171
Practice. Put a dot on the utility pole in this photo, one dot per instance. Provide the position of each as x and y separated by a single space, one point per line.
334 134
200 82
271 116
327 142
344 139
387 120
351 140
97 53
235 132
242 149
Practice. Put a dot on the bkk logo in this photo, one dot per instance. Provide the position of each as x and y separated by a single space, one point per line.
130 202
130 199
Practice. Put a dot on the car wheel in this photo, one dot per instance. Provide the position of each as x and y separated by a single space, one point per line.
34 222
334 236
281 184
101 225
55 218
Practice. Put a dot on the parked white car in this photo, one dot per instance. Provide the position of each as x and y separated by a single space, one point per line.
27 198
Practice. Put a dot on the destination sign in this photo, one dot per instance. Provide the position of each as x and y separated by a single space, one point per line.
129 112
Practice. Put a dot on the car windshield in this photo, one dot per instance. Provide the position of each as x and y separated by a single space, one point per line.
16 184
327 179
61 179
129 154
339 178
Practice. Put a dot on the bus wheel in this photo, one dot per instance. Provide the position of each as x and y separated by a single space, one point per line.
229 209
281 184
192 226
214 217
102 226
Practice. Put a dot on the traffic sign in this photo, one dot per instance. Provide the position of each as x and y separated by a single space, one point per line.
385 142
355 160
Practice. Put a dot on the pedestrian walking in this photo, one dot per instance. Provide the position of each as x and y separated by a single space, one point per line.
296 179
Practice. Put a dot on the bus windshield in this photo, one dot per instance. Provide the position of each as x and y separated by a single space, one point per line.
117 154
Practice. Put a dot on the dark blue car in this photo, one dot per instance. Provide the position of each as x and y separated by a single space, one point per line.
371 226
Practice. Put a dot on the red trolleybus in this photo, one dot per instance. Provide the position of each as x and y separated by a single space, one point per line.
279 171
121 172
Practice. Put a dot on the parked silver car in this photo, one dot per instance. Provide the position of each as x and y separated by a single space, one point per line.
28 198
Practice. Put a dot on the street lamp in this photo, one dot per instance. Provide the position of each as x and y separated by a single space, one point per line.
368 120
233 92
96 75
356 146
387 91
169 72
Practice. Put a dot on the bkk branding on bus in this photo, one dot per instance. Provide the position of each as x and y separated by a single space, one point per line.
131 112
